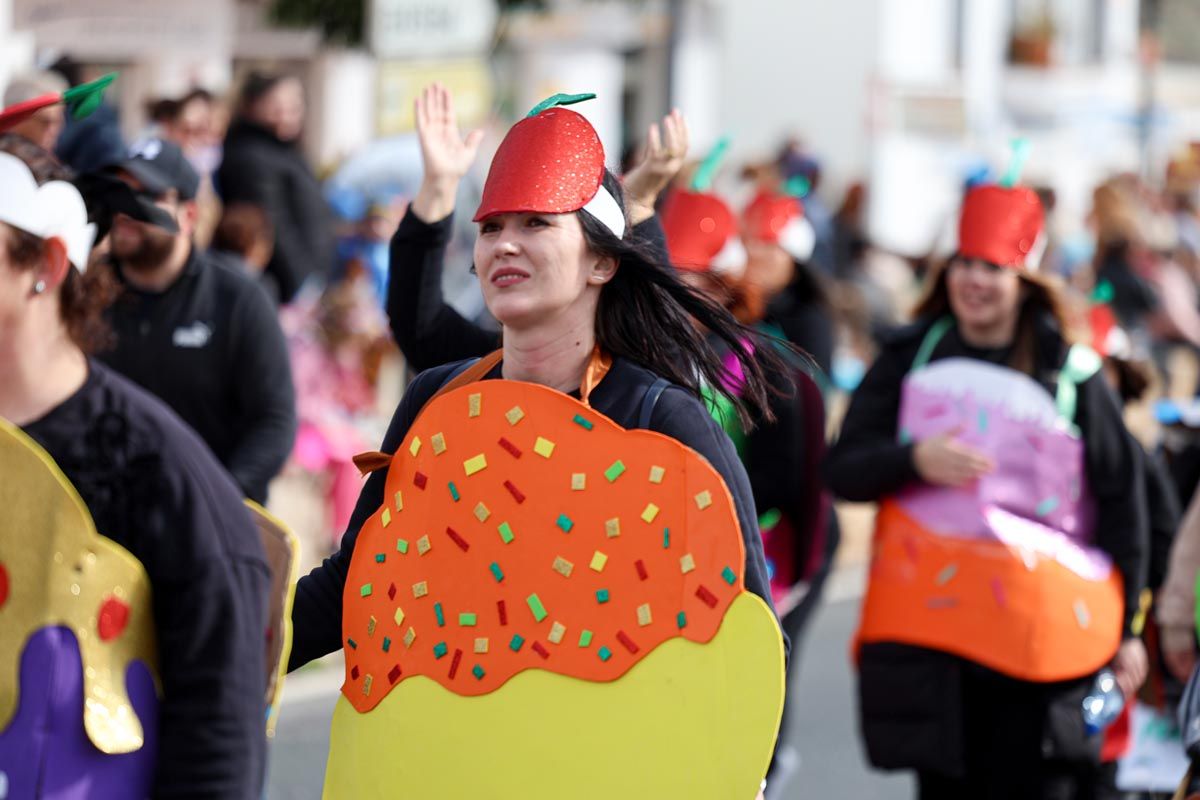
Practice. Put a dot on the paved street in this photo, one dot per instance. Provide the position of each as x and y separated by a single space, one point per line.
823 722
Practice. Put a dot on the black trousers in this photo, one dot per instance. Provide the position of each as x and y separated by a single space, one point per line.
1021 740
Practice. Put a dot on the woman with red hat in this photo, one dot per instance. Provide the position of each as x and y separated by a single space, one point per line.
1010 546
583 309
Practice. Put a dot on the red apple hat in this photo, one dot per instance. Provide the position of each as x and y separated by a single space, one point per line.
701 230
778 218
551 162
1002 223
80 101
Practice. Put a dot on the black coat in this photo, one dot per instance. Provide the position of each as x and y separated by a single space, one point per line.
260 169
929 710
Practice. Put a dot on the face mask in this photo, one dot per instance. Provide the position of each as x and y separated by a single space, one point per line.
205 159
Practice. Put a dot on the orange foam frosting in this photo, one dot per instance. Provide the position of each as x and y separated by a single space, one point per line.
603 562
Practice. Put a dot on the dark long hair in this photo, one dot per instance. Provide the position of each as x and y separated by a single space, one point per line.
648 315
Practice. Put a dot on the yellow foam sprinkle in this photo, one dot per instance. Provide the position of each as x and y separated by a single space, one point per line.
481 645
410 636
612 528
399 616
474 405
557 631
473 465
415 447
578 481
704 500
656 474
650 512
563 567
643 615
420 589
543 447
482 513
687 564
423 545
386 517
598 561
439 443
514 415
399 501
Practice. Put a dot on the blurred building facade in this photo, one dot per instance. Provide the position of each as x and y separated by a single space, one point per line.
911 95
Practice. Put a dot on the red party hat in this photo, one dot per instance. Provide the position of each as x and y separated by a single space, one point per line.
80 101
779 219
1001 226
700 228
551 162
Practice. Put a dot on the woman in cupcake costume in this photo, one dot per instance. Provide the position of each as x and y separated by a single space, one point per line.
1011 541
553 583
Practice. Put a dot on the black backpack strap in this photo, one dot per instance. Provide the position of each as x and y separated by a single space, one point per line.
650 400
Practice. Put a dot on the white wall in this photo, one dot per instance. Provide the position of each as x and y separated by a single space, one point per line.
799 66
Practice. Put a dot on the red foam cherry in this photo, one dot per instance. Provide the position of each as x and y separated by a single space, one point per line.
112 619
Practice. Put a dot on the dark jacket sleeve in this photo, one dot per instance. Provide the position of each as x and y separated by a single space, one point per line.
264 396
1166 514
680 415
1115 475
210 609
867 462
775 456
427 329
317 609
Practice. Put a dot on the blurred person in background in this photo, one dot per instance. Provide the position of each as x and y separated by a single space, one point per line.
95 141
245 239
976 647
191 122
367 248
199 334
262 164
149 485
45 125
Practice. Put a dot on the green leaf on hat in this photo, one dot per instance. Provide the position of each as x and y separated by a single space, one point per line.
1020 153
85 98
559 100
797 186
702 181
1103 293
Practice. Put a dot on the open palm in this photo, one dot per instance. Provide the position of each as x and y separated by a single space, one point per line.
446 154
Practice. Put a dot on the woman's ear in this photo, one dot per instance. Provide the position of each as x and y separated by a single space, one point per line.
55 264
603 270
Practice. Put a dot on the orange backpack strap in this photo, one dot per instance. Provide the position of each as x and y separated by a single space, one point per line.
374 460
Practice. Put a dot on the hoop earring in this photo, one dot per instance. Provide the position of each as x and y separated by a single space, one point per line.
39 287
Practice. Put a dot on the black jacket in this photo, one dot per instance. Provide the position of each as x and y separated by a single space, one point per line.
317 613
260 169
428 331
152 487
210 346
912 700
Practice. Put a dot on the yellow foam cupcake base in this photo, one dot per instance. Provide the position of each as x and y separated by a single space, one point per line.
690 720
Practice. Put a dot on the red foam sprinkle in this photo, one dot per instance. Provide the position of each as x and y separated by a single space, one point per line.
394 675
708 598
462 543
541 651
3 585
510 447
112 619
419 480
641 569
503 609
454 663
392 592
354 673
626 642
514 491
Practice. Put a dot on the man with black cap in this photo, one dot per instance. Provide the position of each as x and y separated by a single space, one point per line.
200 335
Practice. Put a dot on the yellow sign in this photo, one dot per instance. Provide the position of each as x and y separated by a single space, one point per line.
400 82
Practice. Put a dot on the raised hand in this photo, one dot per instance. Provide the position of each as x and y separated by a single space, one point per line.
445 153
666 150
